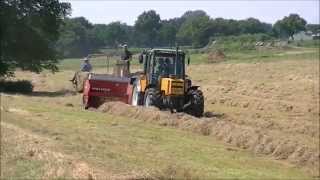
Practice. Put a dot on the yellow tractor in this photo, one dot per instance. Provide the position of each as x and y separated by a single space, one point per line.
164 84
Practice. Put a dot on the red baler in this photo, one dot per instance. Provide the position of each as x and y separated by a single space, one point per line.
99 88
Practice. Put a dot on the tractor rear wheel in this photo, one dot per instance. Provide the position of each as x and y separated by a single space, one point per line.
196 99
150 98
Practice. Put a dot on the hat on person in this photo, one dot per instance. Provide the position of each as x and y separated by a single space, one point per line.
85 59
125 45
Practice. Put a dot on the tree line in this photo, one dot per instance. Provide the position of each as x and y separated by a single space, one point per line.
35 34
193 28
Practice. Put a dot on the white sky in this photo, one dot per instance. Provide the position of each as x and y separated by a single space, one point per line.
104 12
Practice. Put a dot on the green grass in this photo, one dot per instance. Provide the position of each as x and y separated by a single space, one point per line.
267 56
252 56
199 58
100 62
74 64
247 56
119 145
15 164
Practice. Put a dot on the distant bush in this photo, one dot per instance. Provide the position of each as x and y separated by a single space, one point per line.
22 86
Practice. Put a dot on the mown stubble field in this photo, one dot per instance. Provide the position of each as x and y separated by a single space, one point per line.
262 122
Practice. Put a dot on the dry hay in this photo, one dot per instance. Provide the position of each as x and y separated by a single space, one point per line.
57 164
256 140
216 56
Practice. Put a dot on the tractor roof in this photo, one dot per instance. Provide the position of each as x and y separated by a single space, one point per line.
169 51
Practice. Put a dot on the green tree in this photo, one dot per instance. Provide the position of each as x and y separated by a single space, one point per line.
28 32
253 26
116 33
225 27
289 25
189 15
79 37
220 27
167 34
76 40
195 30
101 33
147 28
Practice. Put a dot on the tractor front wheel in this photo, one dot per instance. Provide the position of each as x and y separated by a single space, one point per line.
150 98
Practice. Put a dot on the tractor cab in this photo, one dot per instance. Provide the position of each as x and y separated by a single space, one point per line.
163 63
163 83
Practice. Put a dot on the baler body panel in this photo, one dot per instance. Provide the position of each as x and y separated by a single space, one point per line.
107 88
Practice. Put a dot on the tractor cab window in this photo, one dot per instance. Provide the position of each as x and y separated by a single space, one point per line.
162 66
165 64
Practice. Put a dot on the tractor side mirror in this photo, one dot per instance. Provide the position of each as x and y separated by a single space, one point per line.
188 60
141 58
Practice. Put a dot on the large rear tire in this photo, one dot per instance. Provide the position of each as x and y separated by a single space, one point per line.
196 108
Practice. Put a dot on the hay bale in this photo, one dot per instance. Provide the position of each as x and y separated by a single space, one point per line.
216 56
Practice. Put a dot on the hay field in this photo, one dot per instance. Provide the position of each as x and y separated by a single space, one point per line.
261 121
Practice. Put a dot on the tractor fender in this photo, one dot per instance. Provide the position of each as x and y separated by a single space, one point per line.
133 79
137 83
150 86
192 88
